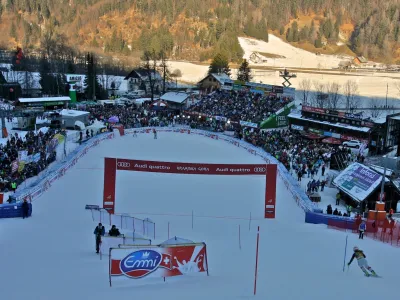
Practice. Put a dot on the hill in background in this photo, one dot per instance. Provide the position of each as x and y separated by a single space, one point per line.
196 30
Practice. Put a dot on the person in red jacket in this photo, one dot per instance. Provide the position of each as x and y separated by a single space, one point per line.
362 262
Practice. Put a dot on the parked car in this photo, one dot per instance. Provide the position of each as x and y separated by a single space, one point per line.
352 144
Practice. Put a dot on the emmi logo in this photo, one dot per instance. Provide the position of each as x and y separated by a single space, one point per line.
140 263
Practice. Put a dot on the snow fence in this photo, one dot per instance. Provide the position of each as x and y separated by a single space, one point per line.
143 227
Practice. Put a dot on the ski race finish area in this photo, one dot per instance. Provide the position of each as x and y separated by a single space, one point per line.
112 165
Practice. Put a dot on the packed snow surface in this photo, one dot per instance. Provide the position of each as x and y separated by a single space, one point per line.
52 255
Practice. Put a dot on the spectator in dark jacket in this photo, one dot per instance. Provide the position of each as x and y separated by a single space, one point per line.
99 231
114 231
25 209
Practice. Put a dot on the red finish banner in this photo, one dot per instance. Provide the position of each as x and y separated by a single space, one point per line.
110 174
270 192
114 164
190 168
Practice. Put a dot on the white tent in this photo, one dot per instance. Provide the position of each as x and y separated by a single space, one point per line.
80 125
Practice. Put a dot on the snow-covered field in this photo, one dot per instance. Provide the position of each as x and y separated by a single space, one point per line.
52 255
292 57
370 84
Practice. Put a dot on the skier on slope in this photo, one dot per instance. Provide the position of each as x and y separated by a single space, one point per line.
155 133
362 262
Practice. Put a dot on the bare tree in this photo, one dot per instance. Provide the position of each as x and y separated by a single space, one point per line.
305 87
176 74
164 70
320 97
334 96
351 95
374 103
397 85
150 66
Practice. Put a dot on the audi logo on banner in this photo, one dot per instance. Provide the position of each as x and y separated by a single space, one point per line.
123 164
260 170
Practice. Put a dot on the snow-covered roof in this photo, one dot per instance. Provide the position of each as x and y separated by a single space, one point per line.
43 99
73 113
381 170
141 100
340 125
221 77
381 120
175 97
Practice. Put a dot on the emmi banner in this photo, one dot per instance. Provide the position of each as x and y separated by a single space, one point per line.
157 261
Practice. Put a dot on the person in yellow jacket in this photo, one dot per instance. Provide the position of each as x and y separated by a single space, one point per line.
362 262
13 186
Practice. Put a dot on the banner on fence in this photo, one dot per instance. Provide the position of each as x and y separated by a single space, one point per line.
157 261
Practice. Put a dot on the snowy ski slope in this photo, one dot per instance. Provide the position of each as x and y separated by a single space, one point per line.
52 255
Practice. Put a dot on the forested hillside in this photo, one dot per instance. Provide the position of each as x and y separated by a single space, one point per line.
194 29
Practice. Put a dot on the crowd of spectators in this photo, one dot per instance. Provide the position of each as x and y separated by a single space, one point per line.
12 175
240 105
294 151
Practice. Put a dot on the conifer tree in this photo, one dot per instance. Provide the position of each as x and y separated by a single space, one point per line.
219 64
244 72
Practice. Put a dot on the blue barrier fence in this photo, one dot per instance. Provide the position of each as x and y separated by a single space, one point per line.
13 210
318 218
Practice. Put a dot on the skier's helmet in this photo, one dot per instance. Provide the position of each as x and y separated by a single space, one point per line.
355 249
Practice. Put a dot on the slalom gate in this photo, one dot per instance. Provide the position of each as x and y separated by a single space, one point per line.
158 261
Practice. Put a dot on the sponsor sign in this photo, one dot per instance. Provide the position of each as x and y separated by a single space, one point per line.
281 121
297 127
277 89
109 182
358 181
92 206
74 78
158 261
270 193
189 168
249 124
219 118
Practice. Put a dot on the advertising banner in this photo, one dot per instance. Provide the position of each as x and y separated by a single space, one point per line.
157 261
110 165
249 124
358 181
189 168
270 194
